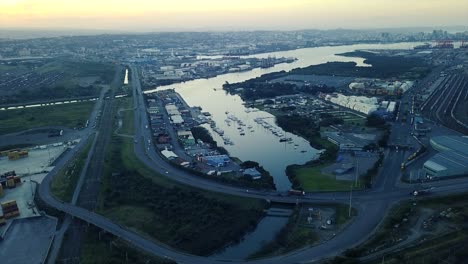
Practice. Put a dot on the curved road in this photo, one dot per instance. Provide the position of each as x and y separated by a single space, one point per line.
371 205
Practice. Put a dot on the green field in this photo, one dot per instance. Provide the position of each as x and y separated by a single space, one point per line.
106 249
75 79
450 248
311 178
127 115
76 69
435 246
195 221
64 183
68 115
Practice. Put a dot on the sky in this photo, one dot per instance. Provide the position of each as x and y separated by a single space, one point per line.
147 15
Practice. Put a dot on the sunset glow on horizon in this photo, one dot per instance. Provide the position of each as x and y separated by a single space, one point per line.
248 14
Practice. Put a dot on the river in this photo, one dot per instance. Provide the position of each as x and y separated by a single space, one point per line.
267 229
262 146
126 77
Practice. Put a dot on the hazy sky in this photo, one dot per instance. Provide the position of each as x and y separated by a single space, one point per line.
144 15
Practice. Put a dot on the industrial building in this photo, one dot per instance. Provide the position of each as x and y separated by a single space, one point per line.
379 87
169 154
253 173
346 142
173 111
450 143
452 159
186 137
216 160
362 104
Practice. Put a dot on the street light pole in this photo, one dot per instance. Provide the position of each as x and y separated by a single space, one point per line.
357 171
350 200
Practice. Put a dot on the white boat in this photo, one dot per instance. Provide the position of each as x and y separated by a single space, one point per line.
218 130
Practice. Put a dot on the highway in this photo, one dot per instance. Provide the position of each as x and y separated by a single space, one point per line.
371 205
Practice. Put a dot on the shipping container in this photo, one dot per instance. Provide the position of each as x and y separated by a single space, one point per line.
17 179
14 155
8 203
11 183
12 214
10 209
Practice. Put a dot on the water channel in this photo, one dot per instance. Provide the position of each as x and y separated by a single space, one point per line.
261 145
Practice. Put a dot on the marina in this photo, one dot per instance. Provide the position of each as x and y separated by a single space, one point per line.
263 144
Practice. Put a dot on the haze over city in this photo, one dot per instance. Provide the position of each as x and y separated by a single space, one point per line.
233 131
147 15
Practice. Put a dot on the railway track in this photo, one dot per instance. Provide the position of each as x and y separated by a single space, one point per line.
441 104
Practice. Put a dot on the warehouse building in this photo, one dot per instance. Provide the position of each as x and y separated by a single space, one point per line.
216 160
345 141
452 159
362 104
447 143
186 137
253 173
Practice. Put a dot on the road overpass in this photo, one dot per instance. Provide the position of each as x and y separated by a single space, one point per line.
371 205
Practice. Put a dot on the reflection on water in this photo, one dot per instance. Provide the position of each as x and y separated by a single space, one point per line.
261 145
126 76
265 232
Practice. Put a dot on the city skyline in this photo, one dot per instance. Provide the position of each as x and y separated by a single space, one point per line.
144 15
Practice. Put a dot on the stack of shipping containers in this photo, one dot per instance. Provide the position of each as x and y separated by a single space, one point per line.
10 209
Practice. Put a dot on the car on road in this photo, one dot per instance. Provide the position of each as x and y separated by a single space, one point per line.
296 192
422 191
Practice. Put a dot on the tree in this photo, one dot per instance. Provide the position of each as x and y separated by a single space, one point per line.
374 120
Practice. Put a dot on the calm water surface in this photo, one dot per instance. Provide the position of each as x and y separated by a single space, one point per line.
261 145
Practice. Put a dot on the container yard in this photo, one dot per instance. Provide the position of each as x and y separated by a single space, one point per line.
30 161
22 228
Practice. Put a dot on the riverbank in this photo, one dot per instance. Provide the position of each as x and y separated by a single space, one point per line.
271 85
180 133
308 225
261 145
